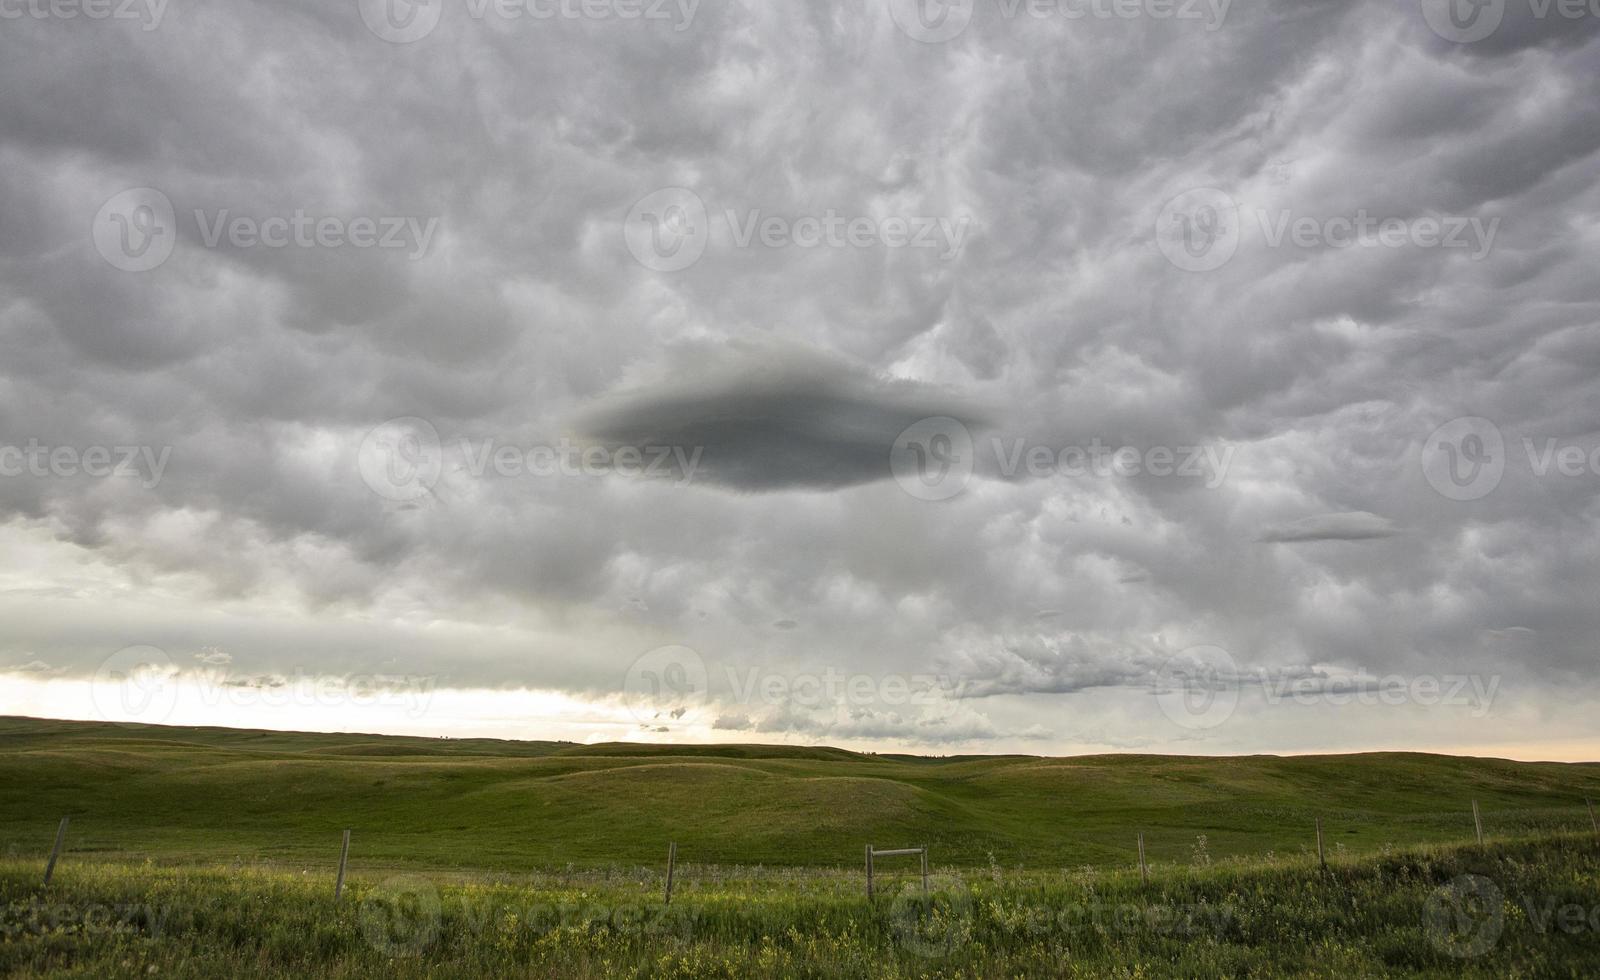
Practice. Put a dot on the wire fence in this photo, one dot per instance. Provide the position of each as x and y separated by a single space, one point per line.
376 853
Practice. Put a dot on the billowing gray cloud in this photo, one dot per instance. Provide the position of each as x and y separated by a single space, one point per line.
1311 371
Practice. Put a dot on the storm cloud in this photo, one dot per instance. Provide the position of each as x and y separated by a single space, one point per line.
1340 259
773 418
1332 527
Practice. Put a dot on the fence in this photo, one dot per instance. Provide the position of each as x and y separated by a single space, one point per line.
873 852
59 847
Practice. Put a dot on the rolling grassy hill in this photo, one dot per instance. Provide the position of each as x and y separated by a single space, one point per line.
208 795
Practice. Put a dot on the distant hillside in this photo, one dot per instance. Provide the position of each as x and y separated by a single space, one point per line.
221 795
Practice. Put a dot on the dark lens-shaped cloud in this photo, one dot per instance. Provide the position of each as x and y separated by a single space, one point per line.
773 417
1333 527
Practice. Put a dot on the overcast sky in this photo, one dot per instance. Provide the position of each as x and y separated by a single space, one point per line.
1161 376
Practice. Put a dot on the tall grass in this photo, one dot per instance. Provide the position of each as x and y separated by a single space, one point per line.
1518 908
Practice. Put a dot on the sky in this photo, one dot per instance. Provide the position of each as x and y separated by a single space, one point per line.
973 377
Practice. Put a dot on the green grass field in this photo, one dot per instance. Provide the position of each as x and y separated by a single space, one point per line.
1509 909
213 795
208 852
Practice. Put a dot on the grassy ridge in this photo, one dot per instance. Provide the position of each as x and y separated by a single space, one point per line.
215 795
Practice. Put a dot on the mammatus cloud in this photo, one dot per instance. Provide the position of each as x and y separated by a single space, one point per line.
1328 318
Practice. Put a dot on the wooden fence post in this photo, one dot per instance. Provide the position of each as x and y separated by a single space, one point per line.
672 861
344 858
1144 870
869 872
924 871
55 852
1322 857
1477 822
